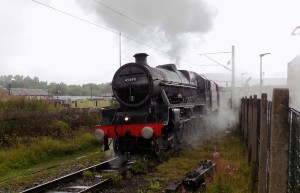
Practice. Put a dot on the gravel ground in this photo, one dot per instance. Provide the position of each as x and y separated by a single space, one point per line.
150 183
29 180
129 183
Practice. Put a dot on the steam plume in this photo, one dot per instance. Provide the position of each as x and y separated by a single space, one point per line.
175 20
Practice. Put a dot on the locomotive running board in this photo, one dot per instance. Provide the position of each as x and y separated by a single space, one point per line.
186 105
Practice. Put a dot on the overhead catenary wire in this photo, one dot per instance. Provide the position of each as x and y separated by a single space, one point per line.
66 13
162 36
110 30
218 63
138 22
130 19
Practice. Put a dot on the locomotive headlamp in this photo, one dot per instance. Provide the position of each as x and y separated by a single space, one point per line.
99 134
147 132
131 98
126 118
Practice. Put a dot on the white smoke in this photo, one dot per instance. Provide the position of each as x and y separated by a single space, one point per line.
167 24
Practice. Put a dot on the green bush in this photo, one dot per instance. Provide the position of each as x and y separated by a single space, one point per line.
221 185
3 169
24 119
87 174
114 176
139 167
114 103
33 131
60 129
19 105
128 175
155 186
41 150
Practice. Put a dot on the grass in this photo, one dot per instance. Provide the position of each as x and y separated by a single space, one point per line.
35 135
49 170
232 171
42 150
232 175
114 176
19 105
139 167
87 174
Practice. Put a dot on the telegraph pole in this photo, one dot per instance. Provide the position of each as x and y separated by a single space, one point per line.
120 48
232 76
232 70
261 78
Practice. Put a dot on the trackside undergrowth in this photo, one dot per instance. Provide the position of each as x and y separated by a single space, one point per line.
232 172
43 149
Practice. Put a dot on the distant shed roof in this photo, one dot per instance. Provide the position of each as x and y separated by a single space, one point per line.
293 72
28 92
107 94
296 60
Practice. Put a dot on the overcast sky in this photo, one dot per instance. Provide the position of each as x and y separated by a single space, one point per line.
37 40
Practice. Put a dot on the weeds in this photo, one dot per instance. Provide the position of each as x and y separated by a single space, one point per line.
139 167
233 171
128 175
114 176
22 119
34 131
155 186
41 150
87 174
20 105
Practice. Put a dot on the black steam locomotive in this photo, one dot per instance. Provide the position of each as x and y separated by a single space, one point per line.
159 107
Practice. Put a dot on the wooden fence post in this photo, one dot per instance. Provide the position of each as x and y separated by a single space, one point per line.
254 129
278 173
242 118
250 129
246 121
254 142
262 170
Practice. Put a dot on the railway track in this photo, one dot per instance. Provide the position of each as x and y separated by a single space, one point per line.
78 183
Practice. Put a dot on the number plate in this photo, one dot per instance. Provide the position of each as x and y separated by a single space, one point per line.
131 79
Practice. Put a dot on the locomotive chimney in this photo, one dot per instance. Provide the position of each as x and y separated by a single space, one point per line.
141 58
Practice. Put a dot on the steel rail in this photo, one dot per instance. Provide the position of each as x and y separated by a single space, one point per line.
67 178
95 186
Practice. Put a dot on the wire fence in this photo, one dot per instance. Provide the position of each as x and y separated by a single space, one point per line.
267 147
256 123
269 118
294 152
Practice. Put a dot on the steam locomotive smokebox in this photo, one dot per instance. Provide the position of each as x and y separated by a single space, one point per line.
196 178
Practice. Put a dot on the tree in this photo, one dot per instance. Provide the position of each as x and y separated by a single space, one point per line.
20 81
